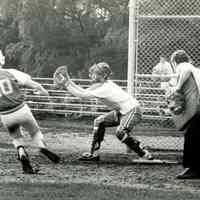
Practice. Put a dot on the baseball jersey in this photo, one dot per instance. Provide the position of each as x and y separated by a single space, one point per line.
114 97
10 94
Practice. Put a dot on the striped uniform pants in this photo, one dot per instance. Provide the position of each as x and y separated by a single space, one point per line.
124 123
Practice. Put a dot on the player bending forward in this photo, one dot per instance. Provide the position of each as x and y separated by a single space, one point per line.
125 112
15 113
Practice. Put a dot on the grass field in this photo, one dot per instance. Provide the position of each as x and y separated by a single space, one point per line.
115 177
86 191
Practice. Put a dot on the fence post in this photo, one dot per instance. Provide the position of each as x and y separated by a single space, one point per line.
131 48
131 51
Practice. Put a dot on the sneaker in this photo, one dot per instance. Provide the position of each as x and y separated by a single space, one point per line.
189 174
50 155
26 166
89 157
147 155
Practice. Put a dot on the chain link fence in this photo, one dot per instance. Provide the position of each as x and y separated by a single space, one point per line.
163 26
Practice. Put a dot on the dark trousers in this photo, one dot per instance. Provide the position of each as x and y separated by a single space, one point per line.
191 152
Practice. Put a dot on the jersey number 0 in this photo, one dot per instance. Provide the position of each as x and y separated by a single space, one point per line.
5 87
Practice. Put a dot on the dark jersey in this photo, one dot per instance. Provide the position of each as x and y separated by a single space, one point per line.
10 94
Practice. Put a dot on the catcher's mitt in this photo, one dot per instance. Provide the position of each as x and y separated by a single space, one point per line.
176 103
61 76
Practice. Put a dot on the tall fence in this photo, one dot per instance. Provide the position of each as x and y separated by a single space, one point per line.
163 26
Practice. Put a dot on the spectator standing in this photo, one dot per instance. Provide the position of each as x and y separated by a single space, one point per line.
188 84
161 69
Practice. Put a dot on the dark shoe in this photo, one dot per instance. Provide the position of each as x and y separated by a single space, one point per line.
50 155
89 157
147 155
26 166
24 159
189 174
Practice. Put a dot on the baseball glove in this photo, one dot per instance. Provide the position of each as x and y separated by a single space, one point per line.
176 103
61 76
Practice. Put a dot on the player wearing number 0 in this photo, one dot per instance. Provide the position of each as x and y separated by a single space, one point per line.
125 112
15 113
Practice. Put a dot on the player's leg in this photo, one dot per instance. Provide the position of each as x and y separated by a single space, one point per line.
127 123
31 125
10 121
100 123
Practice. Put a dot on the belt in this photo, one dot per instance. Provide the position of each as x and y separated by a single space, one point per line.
12 110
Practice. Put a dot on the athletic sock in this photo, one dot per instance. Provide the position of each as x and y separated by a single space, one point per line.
134 145
38 138
21 151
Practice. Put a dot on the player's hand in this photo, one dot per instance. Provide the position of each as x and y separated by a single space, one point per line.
176 103
42 93
45 92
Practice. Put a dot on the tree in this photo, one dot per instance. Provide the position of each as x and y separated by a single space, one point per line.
39 35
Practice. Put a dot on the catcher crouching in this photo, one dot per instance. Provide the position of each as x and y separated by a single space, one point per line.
125 110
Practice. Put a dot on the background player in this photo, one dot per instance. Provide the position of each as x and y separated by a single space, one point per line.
15 113
125 109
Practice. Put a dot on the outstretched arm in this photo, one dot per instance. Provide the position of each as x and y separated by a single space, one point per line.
78 91
62 78
37 86
75 86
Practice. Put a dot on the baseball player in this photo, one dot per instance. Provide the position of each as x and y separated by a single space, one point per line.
125 112
15 113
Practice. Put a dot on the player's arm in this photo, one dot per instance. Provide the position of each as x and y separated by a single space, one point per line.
78 91
36 86
77 87
25 80
61 77
184 74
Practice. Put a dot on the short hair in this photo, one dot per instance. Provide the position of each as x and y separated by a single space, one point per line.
102 68
180 56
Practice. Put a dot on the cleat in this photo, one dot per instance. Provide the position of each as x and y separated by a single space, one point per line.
147 155
50 155
26 166
24 159
89 157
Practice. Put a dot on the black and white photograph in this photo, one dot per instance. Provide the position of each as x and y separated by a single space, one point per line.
99 99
